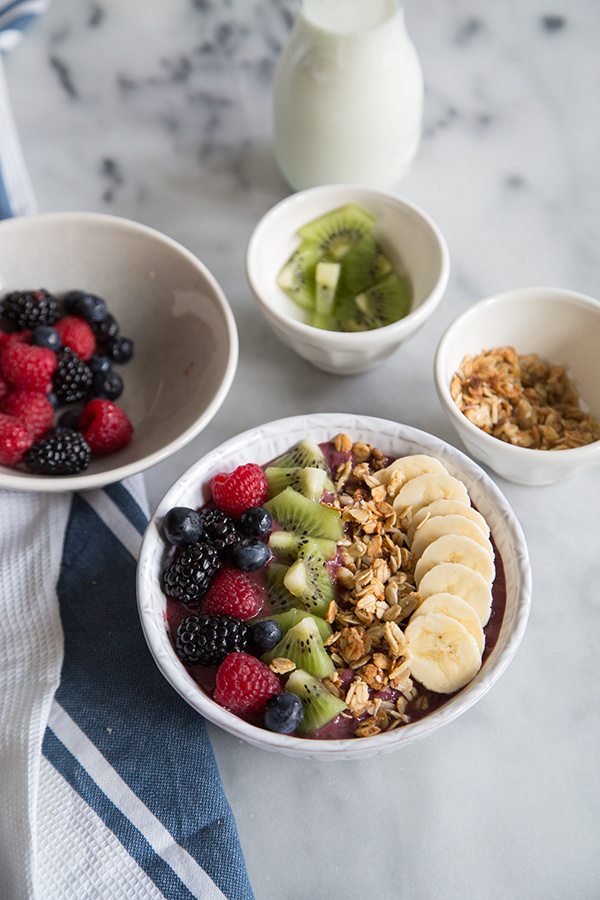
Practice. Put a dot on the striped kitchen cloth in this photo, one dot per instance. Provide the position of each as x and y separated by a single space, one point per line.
108 783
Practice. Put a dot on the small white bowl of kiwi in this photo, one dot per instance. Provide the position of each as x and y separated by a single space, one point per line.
345 273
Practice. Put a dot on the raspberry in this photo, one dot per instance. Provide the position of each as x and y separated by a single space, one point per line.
15 439
28 367
77 334
105 426
207 640
232 594
242 489
4 389
244 684
26 309
15 337
32 408
63 452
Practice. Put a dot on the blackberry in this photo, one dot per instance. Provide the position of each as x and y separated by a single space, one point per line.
207 640
64 452
73 378
28 309
188 577
219 530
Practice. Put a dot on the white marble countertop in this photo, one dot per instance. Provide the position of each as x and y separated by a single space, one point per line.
161 112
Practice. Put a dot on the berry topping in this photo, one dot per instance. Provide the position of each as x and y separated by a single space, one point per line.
107 385
265 635
77 334
244 684
219 530
15 439
26 309
64 452
255 522
207 640
188 577
284 713
45 336
182 526
53 399
69 419
106 330
4 389
233 594
250 555
100 364
120 349
32 408
73 378
27 367
15 337
105 426
88 306
242 489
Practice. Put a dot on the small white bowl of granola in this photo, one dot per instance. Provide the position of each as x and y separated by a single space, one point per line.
517 375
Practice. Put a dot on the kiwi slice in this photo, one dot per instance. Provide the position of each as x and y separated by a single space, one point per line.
290 618
336 231
297 277
309 581
327 276
327 323
307 481
296 513
320 706
286 545
278 596
364 265
304 646
304 454
381 304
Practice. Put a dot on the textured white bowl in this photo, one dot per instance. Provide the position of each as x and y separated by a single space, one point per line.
266 442
186 344
407 235
564 328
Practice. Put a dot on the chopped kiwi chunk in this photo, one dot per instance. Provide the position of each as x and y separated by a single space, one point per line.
326 323
320 706
278 596
327 276
297 277
364 265
308 481
286 545
296 513
288 619
309 580
304 646
303 454
336 231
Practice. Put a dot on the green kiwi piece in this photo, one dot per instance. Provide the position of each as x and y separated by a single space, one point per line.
278 596
327 276
320 706
286 545
307 481
290 618
304 646
364 265
303 454
309 580
326 323
297 277
387 301
296 513
336 231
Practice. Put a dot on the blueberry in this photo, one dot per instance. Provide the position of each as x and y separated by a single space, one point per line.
264 635
106 330
53 399
88 306
120 350
107 385
255 522
46 336
250 554
100 364
69 419
284 713
182 526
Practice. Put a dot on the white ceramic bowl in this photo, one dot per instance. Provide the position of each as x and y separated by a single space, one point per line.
186 344
266 442
406 233
563 327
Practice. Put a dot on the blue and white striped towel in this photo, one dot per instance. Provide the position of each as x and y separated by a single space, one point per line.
108 783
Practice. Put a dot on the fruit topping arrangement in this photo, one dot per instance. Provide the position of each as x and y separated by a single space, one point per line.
341 276
334 592
54 354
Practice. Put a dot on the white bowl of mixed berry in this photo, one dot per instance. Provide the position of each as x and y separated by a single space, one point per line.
116 347
333 585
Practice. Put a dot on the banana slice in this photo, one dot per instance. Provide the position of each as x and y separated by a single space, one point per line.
410 467
448 508
454 548
463 582
424 489
450 605
436 527
444 656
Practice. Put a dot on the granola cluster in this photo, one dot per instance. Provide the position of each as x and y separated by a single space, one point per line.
522 400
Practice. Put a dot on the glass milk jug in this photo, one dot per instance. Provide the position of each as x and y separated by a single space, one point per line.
348 95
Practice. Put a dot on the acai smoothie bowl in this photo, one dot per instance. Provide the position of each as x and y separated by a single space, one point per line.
333 585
